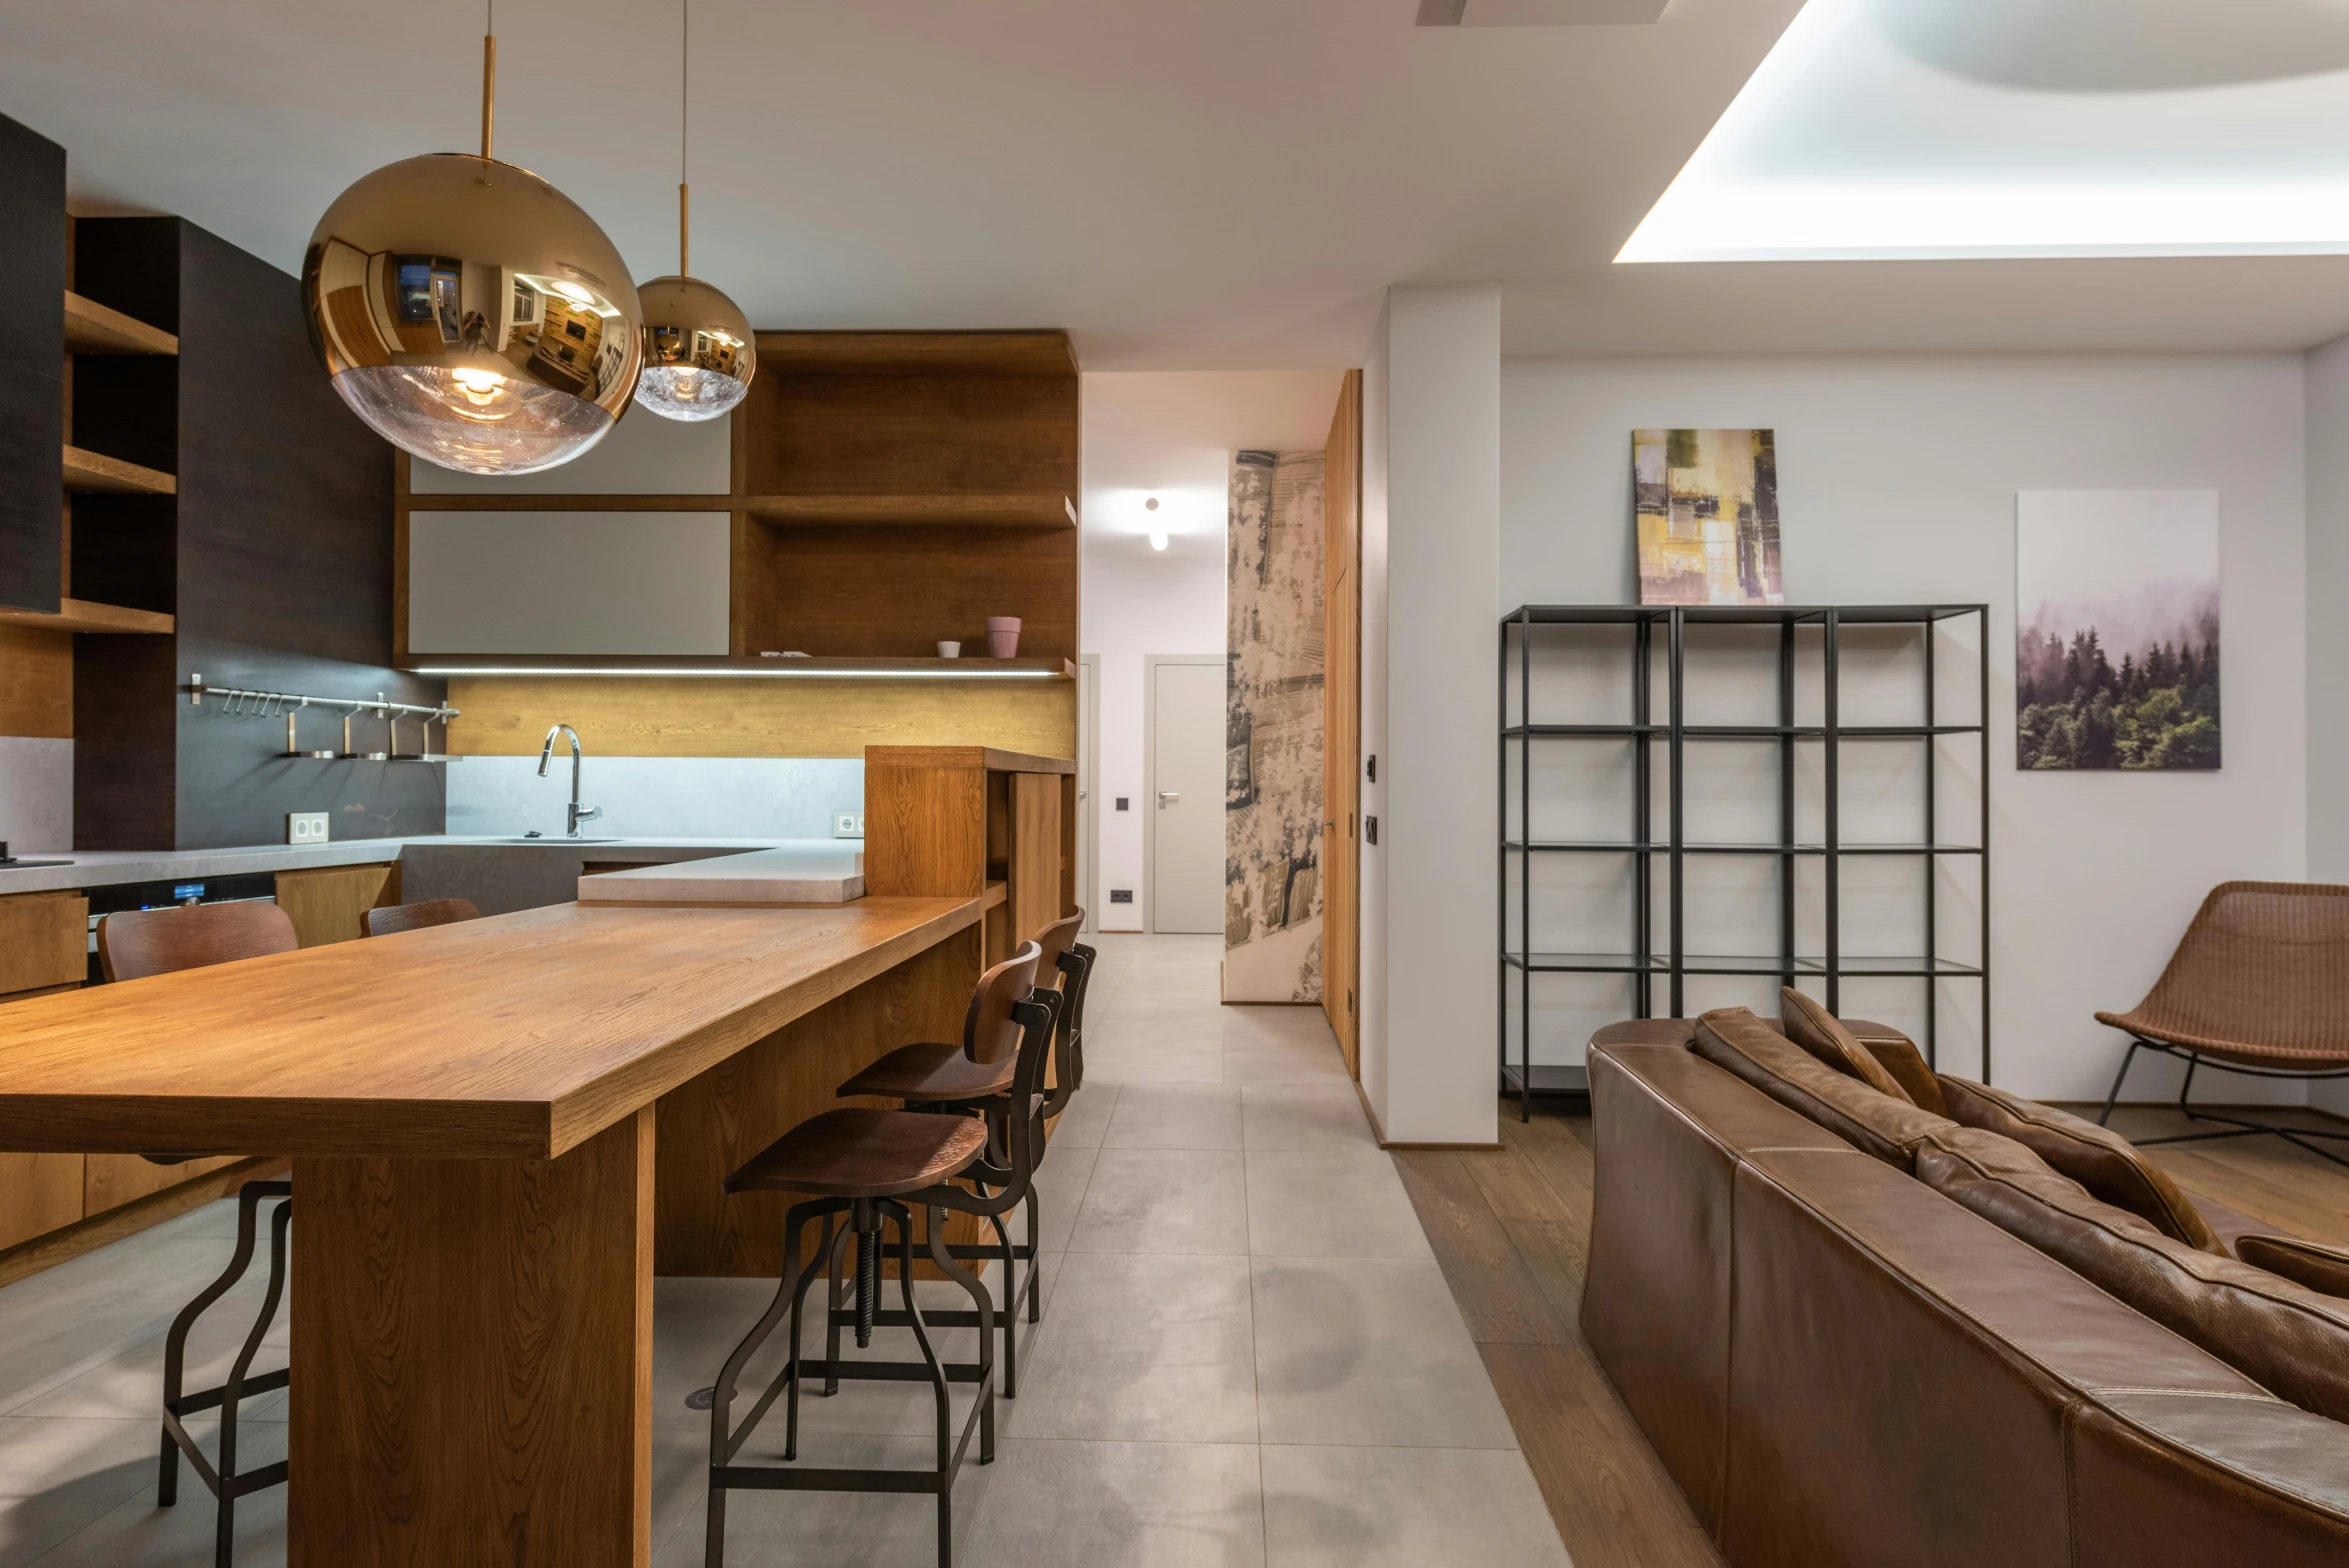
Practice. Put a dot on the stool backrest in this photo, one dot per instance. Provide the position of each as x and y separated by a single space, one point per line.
989 1031
143 942
415 917
1054 940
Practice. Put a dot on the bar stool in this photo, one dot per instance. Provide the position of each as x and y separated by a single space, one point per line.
134 946
875 1168
936 1077
395 918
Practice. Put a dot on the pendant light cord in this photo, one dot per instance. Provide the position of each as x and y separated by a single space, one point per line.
684 132
489 82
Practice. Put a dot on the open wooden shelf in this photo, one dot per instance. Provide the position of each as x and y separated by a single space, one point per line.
1036 509
92 328
1021 509
84 615
94 473
738 667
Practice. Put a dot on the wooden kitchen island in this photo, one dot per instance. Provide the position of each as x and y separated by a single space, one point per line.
499 1130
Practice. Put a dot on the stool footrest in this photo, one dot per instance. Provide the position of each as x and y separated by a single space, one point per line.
815 1367
744 1478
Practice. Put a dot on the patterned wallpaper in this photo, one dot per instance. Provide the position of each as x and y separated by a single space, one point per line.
1273 730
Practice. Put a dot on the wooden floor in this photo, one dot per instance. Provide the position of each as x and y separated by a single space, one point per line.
1511 1229
2304 1194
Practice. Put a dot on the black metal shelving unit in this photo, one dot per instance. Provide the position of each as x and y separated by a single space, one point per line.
1650 960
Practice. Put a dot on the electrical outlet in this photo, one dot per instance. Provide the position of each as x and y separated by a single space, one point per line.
305 827
848 824
1121 895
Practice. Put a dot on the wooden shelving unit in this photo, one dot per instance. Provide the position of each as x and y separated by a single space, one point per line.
83 615
94 473
92 328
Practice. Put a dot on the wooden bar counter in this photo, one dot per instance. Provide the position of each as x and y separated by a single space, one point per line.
498 1128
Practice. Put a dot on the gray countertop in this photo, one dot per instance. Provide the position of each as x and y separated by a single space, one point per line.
106 867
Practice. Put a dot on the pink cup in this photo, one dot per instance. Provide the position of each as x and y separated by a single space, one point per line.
1003 636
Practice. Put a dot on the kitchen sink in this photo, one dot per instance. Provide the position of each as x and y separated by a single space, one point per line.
557 839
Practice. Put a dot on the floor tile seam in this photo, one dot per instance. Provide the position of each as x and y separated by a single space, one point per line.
1255 1349
95 1520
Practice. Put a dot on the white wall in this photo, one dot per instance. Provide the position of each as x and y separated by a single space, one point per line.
1435 800
1897 478
1133 607
2328 635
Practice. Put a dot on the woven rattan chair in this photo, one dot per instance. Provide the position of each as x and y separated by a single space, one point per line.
2258 985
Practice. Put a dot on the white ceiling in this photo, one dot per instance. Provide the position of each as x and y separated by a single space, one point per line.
1889 128
1170 435
1206 184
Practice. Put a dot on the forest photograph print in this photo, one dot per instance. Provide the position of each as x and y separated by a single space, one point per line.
2117 629
1705 506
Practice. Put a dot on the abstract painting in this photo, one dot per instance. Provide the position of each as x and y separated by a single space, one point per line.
1273 730
2117 629
1705 503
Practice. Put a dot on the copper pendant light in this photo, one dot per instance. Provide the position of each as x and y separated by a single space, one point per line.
471 313
699 354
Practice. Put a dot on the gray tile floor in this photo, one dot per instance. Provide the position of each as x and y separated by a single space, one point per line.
1248 1355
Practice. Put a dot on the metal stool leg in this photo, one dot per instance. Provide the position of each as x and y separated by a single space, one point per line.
1035 1257
790 1292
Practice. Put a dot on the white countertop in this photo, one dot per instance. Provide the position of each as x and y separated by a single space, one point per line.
805 871
106 867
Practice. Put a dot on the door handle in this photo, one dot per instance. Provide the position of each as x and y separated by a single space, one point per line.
1166 795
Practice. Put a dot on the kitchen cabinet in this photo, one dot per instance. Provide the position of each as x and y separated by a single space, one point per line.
38 1194
44 941
567 582
108 1181
330 904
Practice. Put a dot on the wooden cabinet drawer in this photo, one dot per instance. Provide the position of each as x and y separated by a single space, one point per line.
39 1193
44 940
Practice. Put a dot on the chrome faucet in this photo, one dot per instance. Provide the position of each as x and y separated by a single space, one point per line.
576 813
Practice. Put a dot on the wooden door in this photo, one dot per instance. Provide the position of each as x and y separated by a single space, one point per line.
1341 792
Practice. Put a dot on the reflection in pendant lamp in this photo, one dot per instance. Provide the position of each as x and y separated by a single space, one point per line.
699 354
471 313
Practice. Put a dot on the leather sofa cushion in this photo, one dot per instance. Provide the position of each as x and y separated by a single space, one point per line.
1821 1033
2321 1268
2098 1158
1886 1126
2285 1337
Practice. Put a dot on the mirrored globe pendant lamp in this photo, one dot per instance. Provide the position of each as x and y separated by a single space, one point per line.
699 354
471 313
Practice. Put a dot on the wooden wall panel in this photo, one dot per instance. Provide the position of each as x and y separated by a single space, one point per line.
1341 931
36 682
330 904
690 717
899 433
44 940
1036 880
925 831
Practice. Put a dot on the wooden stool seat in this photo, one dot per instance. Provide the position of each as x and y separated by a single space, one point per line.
937 1073
864 1154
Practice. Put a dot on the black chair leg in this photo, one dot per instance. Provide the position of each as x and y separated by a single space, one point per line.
223 1478
1035 1257
2113 1098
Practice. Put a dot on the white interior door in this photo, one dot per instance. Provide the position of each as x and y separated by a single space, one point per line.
1186 795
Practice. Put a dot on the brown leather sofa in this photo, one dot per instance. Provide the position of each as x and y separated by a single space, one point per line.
1841 1366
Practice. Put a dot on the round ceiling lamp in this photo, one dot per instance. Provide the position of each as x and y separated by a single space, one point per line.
699 354
471 313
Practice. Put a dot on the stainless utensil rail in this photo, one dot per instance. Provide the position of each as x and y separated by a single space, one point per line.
242 702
